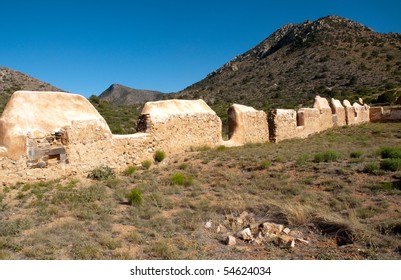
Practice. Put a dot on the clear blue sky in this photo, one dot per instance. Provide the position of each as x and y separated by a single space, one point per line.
84 46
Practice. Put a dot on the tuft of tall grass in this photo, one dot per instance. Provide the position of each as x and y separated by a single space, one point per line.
327 156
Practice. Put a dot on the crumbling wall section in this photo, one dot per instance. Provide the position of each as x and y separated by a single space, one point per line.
247 125
325 118
356 113
178 125
89 146
282 124
385 114
287 124
338 110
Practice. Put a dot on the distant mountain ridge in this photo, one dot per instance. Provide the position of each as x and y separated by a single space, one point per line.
332 57
123 95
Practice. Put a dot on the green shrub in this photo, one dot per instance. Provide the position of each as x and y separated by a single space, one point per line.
302 159
265 164
327 156
112 182
101 173
391 164
371 168
178 179
181 180
146 164
355 154
135 197
129 170
159 156
221 148
390 152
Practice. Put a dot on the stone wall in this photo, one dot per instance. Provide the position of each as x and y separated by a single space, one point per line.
339 117
42 129
246 125
88 147
385 114
288 124
356 113
178 125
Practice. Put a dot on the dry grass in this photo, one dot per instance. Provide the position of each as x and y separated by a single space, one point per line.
331 203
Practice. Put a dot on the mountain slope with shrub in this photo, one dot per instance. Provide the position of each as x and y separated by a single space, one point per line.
331 57
11 81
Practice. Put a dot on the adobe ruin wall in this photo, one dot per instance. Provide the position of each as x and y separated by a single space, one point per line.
288 124
385 114
64 131
246 125
179 125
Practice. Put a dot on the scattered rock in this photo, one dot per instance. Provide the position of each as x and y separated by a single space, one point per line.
259 239
285 241
303 241
286 230
208 224
269 228
245 234
296 234
261 233
221 228
230 241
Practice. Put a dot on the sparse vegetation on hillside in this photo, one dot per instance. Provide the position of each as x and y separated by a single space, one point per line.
331 57
346 208
121 119
11 81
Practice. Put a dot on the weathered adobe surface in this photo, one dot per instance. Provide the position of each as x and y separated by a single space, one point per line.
385 114
288 124
66 134
39 113
246 125
178 125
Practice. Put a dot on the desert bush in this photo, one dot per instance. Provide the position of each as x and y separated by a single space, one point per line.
159 156
146 164
327 156
129 170
113 182
101 173
265 164
356 154
135 197
391 164
371 168
390 152
180 179
221 148
302 159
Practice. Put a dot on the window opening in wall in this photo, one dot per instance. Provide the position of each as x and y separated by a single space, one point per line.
300 119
